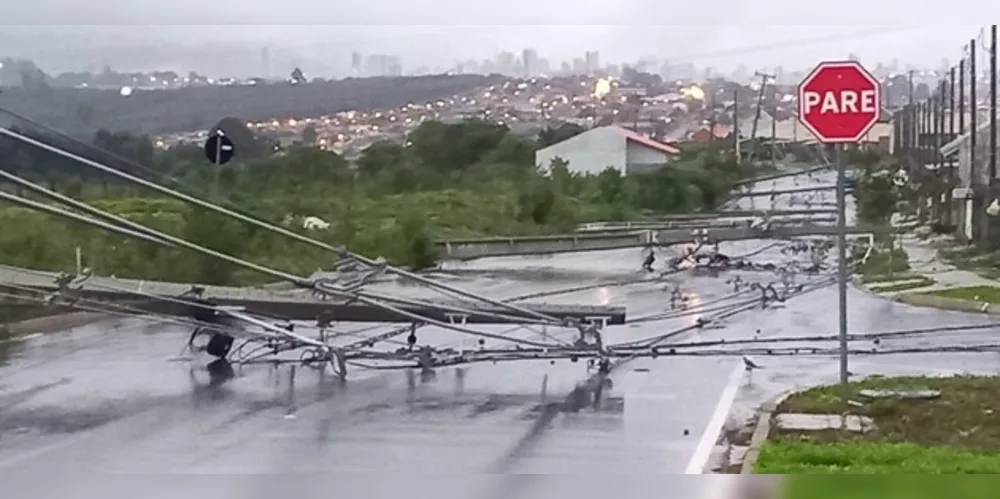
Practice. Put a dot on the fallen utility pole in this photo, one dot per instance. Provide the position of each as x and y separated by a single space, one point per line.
760 102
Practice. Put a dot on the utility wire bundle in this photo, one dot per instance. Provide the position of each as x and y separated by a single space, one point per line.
270 339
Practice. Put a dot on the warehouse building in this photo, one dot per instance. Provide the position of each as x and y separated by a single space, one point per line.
595 150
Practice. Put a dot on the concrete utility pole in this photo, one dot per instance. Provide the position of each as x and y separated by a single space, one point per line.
939 130
973 124
774 139
949 204
760 101
961 96
909 99
993 102
736 123
711 117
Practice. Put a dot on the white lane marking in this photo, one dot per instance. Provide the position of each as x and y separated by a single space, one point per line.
702 453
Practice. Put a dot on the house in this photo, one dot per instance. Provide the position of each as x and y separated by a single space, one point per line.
708 133
612 146
963 191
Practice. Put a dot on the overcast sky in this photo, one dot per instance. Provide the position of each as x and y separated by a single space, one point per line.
186 34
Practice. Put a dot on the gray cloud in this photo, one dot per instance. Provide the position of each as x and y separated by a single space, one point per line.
187 34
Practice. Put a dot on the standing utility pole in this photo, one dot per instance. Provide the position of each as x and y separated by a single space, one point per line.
736 123
942 172
993 103
949 204
973 119
774 139
711 116
909 99
961 96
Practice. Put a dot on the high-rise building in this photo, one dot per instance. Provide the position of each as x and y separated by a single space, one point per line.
529 59
383 65
592 61
505 63
356 62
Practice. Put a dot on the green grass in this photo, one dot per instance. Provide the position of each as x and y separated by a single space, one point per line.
885 486
915 283
886 278
962 417
973 259
864 458
958 432
889 487
883 262
988 294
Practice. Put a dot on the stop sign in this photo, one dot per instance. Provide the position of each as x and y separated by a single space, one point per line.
839 102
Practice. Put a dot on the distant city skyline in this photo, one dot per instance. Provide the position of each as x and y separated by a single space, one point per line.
329 51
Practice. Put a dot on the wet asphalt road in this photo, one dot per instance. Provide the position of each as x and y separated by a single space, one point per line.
112 397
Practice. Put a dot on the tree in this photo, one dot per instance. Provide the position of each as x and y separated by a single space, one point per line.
876 194
611 185
464 179
244 141
310 135
218 233
451 148
381 156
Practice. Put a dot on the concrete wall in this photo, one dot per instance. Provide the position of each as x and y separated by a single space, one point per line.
643 159
982 156
591 152
465 249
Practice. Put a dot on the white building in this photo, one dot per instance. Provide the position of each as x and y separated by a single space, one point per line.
612 146
962 194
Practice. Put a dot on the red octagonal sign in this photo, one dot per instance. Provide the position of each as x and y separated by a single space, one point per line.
839 102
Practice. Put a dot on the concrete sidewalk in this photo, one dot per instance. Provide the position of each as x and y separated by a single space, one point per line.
926 261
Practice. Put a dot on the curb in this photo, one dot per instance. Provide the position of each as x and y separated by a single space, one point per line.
944 303
761 431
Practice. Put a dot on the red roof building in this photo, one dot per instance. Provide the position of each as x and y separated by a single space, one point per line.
612 146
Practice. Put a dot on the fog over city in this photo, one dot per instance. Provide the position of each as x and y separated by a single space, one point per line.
325 50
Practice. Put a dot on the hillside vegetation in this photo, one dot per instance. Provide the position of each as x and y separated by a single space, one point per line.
468 179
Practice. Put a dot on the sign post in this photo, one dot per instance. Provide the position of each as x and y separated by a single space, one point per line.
839 102
219 150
